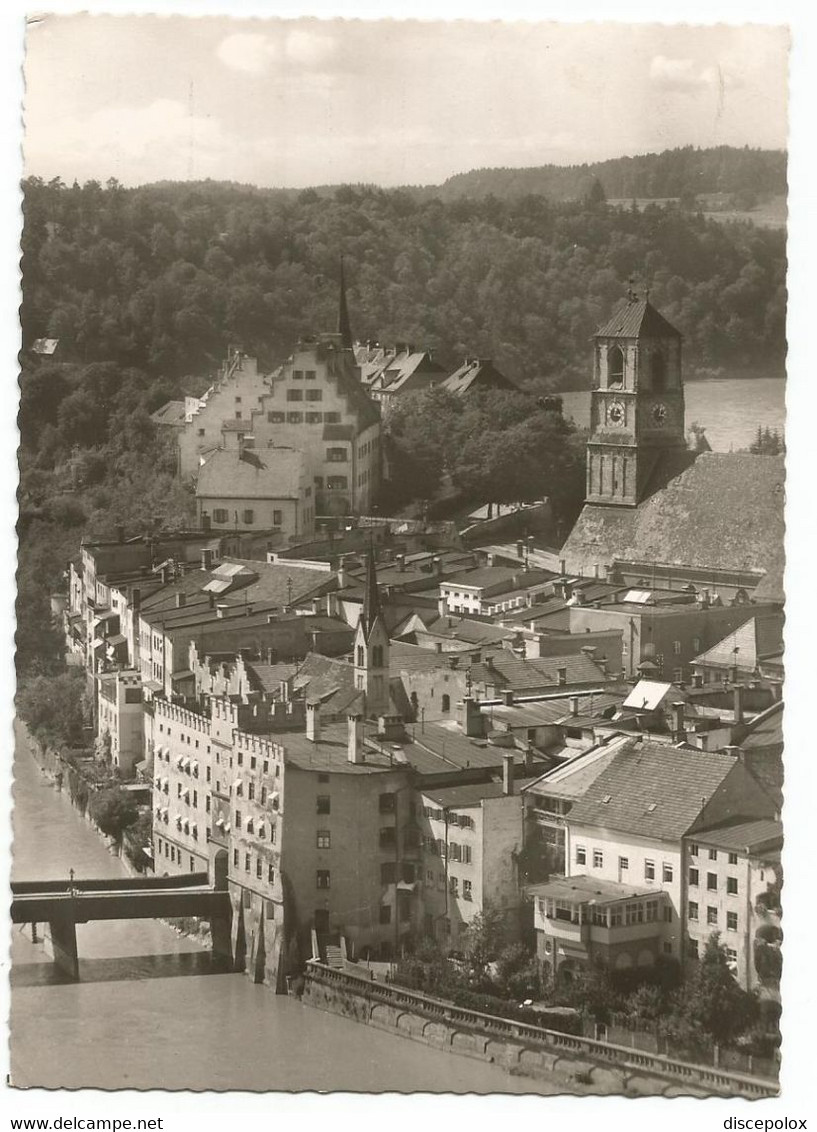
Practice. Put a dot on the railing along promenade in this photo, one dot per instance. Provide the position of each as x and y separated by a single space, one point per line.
567 1045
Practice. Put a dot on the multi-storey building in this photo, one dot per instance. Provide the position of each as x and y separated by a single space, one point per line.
727 869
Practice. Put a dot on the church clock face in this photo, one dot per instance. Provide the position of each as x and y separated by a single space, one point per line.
659 414
615 413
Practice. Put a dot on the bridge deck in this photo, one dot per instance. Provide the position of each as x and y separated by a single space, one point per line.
124 903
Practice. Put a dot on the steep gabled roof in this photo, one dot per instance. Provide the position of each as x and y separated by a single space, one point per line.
652 790
637 318
720 510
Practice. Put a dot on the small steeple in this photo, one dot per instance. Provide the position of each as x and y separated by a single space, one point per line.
344 326
371 596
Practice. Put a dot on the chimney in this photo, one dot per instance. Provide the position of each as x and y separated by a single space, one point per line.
442 607
589 651
507 773
562 564
678 729
735 752
211 600
316 605
438 565
596 570
507 697
205 522
520 548
206 558
474 721
574 705
355 744
341 571
438 646
697 680
286 690
400 559
165 575
220 608
561 676
738 702
181 601
529 754
313 722
490 559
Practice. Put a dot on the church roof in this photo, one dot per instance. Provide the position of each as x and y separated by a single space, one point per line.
637 318
371 597
717 510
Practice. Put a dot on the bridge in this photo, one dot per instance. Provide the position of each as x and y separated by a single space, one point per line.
64 904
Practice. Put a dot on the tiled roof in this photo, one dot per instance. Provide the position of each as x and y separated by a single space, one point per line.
170 413
464 629
471 794
744 836
722 511
637 319
510 671
268 473
765 730
652 790
268 677
477 372
412 658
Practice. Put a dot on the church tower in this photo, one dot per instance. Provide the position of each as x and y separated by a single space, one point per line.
371 648
637 403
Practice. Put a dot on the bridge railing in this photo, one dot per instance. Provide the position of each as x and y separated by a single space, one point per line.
718 1080
109 884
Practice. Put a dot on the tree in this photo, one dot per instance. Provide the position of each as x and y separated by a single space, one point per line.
113 810
483 939
712 1002
51 706
766 443
517 972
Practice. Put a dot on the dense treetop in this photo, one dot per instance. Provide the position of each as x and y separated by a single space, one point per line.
162 278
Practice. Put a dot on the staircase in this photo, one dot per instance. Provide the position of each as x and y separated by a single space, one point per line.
334 956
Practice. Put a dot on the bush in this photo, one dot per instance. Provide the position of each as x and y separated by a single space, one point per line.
769 933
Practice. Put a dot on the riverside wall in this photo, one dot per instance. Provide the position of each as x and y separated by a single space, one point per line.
581 1064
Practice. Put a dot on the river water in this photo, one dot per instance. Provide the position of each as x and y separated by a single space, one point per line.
148 1011
730 410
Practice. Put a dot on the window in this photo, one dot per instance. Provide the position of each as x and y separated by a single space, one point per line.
314 418
731 921
388 872
275 416
270 874
667 947
733 858
676 648
668 913
297 375
295 418
696 645
263 795
731 957
207 804
337 483
324 839
693 849
466 854
712 882
277 518
623 864
446 706
251 791
692 948
666 873
385 913
692 910
387 803
581 855
259 868
693 878
238 819
615 367
331 418
712 916
322 878
323 804
295 394
314 394
247 863
201 432
388 836
310 374
598 859
649 870
466 890
454 886
248 516
732 886
336 455
220 515
713 854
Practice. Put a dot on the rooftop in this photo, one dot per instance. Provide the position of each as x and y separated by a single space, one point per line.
637 318
745 837
589 890
265 473
471 794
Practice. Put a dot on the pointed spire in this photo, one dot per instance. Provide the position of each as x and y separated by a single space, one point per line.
344 326
371 596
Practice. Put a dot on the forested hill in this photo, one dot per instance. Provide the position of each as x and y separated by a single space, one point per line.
162 278
686 171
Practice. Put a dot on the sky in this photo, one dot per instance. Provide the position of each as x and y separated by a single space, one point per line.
303 102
